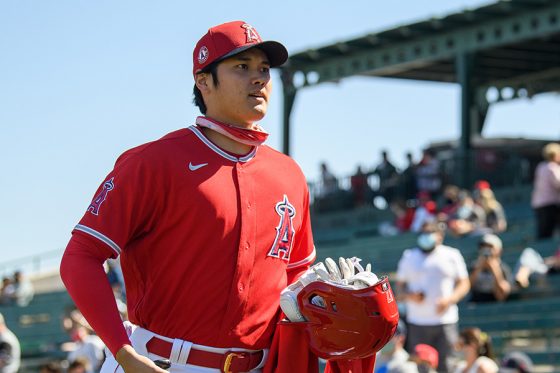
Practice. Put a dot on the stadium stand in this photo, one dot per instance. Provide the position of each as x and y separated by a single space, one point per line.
39 327
529 321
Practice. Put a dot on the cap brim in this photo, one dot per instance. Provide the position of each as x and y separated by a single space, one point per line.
277 54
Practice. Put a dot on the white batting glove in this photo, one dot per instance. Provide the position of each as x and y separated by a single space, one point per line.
349 271
288 296
349 274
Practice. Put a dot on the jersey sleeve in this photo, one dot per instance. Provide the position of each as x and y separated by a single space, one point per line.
125 205
303 254
82 272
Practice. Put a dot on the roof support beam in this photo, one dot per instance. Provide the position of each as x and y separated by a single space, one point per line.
464 66
384 59
514 43
289 99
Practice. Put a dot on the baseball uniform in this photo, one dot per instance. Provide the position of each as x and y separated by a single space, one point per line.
206 238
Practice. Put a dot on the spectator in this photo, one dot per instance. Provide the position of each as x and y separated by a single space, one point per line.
469 219
86 345
426 358
51 367
329 183
480 185
531 262
393 356
490 277
7 291
10 352
495 216
388 177
431 280
477 350
79 365
516 362
546 192
450 202
403 212
428 174
23 291
425 211
360 188
408 179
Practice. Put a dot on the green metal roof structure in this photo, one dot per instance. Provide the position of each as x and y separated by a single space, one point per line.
510 47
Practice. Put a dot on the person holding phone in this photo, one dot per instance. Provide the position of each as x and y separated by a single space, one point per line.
490 277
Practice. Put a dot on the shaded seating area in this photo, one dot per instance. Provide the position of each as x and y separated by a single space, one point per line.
531 325
528 321
39 327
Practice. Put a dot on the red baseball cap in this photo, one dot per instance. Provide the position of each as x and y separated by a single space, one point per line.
231 38
482 184
427 353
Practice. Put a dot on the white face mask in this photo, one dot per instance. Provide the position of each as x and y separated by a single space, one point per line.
464 212
427 241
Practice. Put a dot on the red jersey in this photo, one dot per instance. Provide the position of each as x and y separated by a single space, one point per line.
206 238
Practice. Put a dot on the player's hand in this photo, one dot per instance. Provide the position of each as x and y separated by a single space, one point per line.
133 362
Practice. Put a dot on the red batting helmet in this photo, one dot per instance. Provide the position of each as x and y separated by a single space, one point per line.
345 323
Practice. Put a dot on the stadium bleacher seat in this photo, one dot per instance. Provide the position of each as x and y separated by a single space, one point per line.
39 324
529 322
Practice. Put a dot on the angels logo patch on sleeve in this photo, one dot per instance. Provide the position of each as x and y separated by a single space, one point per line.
284 231
101 196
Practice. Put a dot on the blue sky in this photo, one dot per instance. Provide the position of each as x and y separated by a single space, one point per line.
82 81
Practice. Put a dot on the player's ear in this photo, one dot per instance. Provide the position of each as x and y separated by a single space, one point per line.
203 81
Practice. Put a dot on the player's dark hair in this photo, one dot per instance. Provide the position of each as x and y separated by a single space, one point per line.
212 69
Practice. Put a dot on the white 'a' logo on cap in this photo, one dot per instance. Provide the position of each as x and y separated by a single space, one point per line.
203 55
252 34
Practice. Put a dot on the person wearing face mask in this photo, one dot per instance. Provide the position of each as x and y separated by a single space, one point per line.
469 218
475 349
490 277
431 279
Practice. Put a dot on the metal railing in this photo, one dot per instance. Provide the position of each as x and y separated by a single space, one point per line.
499 167
32 264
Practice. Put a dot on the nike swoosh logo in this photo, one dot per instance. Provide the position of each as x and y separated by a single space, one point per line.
194 167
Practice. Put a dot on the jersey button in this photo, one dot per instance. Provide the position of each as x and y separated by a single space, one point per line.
240 288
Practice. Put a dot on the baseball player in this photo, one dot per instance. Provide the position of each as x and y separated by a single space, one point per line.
210 226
